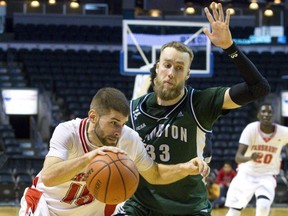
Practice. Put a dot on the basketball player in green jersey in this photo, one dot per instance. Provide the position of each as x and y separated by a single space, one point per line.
175 121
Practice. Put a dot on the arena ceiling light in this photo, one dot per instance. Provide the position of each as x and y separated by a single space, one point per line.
155 13
52 2
35 3
74 4
189 9
268 12
3 3
253 5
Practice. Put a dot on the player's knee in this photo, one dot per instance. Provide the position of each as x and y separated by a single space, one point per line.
234 212
263 206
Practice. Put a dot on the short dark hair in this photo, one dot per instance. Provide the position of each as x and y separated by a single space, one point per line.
107 99
264 104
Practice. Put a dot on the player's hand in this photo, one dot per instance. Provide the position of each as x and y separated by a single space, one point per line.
102 151
196 166
254 156
220 34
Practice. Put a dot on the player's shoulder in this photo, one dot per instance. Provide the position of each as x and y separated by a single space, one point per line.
70 126
254 124
136 101
128 132
208 91
281 128
212 95
129 136
131 142
70 123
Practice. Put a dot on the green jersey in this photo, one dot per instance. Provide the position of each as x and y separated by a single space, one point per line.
176 134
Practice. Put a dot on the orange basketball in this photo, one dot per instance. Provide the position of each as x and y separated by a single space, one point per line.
112 178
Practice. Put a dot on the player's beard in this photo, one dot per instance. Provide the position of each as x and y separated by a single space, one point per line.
167 93
100 134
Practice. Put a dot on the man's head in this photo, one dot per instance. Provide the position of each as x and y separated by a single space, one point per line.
108 113
107 99
265 114
179 47
169 74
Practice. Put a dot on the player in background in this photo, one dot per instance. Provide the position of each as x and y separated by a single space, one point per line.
175 120
259 159
60 187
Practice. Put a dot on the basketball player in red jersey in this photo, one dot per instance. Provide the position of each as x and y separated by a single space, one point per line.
60 188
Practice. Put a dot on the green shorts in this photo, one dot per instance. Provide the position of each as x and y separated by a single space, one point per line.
133 208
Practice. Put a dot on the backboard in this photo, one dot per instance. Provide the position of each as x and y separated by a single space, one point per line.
142 40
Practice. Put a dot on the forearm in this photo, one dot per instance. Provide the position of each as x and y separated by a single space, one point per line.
241 158
164 174
255 85
63 171
171 173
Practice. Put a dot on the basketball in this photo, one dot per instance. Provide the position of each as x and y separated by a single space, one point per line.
112 178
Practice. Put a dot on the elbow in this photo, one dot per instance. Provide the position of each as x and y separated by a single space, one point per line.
237 160
243 93
262 89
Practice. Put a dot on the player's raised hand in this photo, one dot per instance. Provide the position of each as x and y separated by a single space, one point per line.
197 166
220 34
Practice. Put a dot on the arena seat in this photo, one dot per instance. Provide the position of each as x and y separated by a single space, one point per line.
217 154
281 192
219 145
229 154
7 187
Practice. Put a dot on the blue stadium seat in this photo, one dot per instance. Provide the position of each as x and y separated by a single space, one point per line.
22 181
7 188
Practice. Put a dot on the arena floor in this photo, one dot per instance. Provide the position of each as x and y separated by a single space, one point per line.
251 212
13 211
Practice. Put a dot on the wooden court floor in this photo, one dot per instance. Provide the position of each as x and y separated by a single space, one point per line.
13 211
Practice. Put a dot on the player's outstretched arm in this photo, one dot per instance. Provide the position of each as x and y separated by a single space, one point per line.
57 171
166 174
255 85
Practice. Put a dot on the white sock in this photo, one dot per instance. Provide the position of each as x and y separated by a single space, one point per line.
263 207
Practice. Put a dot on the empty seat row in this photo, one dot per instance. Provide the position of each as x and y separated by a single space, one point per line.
72 33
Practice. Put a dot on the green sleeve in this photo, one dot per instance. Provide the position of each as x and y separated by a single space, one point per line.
208 105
